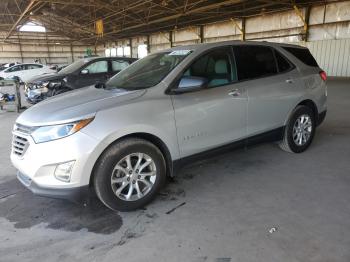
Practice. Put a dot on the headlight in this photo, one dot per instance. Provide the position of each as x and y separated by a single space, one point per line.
49 133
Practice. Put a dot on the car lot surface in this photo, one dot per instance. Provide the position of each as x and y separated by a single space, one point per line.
256 204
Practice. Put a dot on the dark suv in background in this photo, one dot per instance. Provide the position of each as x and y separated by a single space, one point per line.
82 73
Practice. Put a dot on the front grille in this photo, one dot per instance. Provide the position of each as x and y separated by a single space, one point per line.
19 145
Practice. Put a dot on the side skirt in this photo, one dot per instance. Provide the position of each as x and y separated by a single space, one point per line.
269 136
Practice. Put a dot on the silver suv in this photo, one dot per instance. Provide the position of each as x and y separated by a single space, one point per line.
121 139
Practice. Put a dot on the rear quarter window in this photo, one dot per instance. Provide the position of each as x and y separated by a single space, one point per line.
303 54
118 65
283 64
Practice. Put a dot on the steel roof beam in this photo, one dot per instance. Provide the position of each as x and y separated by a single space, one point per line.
28 8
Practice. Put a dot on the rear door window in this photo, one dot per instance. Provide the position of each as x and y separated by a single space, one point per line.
303 54
119 65
33 66
254 61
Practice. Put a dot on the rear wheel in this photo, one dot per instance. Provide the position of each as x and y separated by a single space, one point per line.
299 131
129 174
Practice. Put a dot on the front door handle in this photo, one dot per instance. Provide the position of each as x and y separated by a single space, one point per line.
290 81
234 92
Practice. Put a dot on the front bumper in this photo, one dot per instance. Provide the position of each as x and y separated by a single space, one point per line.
75 194
34 101
33 97
37 165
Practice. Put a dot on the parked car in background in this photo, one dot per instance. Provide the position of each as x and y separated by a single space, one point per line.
124 139
25 71
84 72
7 65
58 68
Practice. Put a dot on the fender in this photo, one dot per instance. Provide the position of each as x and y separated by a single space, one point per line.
304 100
171 146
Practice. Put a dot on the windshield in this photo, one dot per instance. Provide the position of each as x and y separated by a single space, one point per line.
73 67
148 71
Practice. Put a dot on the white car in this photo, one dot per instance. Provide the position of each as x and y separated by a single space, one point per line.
25 71
5 66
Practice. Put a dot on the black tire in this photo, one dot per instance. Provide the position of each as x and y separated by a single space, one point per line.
108 160
55 92
59 91
288 144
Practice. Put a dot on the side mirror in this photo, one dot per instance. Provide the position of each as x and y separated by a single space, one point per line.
191 84
84 71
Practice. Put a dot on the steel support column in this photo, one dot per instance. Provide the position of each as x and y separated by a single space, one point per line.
171 38
201 33
130 44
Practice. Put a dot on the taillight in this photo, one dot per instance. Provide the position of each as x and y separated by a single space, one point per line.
323 75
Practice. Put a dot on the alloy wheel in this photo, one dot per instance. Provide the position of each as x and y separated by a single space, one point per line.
133 177
302 130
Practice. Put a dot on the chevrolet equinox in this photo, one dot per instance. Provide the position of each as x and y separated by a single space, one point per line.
123 138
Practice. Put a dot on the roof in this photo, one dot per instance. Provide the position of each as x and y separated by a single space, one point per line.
88 59
125 18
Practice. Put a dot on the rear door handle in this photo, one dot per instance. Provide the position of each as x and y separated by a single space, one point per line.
234 92
290 81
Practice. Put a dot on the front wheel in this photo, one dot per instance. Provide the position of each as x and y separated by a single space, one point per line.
299 131
55 92
129 174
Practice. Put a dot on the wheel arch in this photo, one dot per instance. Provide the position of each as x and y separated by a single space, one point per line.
305 102
148 137
312 105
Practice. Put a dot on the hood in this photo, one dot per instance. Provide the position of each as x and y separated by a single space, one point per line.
75 105
46 77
